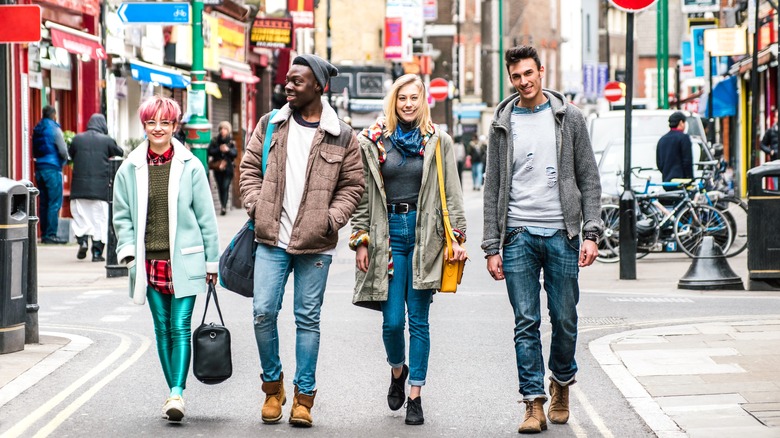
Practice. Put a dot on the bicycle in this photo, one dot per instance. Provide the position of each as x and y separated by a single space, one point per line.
717 193
687 223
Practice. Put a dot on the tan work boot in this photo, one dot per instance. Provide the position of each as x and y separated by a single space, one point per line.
274 399
559 403
535 420
301 409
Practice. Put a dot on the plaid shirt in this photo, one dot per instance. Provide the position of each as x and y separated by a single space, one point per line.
158 272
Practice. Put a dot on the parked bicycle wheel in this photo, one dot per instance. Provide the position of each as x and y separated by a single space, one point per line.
695 223
609 244
735 211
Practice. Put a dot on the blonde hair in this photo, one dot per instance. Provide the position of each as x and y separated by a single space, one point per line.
423 112
225 125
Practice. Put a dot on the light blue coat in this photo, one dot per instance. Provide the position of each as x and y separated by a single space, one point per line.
194 243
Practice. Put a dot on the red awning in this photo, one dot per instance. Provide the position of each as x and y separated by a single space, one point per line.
239 76
80 43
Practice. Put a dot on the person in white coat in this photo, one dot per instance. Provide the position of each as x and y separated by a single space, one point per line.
166 231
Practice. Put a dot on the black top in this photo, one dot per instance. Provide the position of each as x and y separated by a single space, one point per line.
402 177
674 155
90 152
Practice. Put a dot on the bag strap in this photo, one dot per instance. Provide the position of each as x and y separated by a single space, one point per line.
269 131
444 210
212 291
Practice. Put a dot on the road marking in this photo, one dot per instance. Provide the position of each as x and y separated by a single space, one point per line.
115 318
649 300
98 292
44 409
73 407
44 367
595 418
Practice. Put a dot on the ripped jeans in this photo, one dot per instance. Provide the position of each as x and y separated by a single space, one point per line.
273 266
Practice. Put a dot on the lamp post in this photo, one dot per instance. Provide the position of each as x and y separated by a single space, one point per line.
198 128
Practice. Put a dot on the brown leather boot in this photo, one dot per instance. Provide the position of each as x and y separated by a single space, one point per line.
274 399
559 403
535 420
301 409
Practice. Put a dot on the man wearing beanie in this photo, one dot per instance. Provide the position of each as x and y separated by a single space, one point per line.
307 189
674 154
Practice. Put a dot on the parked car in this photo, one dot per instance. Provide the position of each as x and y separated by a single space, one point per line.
610 126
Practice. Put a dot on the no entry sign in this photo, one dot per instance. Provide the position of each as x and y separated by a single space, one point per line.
20 23
439 89
614 91
632 5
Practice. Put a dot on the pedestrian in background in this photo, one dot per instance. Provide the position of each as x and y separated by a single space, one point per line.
460 157
770 140
50 154
311 185
477 151
171 250
222 151
399 275
542 183
90 152
674 153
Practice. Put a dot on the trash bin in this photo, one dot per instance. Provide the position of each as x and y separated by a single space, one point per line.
13 264
763 238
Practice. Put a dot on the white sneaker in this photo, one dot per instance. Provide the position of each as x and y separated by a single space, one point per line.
173 409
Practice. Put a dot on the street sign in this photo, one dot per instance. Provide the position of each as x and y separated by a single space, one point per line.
155 13
20 23
439 89
632 5
614 91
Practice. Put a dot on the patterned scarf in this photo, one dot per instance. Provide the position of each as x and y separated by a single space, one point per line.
409 144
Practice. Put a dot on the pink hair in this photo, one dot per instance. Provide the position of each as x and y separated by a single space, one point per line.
168 109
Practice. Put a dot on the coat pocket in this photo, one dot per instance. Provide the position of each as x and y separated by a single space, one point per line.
329 165
194 261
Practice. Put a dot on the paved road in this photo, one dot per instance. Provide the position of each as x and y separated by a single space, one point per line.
110 382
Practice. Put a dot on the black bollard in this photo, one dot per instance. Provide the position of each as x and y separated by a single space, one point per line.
113 268
31 328
628 237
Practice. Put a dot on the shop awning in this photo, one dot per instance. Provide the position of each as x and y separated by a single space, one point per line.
724 99
238 71
76 41
154 73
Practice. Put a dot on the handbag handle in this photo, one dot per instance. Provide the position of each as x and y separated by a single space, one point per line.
212 291
444 211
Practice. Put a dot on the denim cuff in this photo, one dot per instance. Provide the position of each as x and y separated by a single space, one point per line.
396 365
416 382
532 397
563 382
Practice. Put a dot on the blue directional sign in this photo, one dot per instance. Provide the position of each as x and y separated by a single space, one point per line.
155 13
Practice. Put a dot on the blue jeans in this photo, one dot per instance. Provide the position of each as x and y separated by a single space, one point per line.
476 174
403 297
273 266
525 255
49 182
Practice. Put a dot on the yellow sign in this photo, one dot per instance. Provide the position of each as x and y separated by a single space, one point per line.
725 41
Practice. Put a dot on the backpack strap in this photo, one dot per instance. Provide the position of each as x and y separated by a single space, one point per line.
269 131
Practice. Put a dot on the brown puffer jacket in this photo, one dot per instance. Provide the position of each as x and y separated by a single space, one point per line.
334 185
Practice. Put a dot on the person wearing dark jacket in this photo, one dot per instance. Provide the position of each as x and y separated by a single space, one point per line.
50 154
222 151
90 152
674 155
770 142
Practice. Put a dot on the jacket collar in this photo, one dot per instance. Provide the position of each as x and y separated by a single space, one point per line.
329 120
503 113
138 156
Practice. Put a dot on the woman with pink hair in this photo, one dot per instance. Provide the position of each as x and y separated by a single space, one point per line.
166 233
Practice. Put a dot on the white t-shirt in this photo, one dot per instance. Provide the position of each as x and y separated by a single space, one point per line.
299 140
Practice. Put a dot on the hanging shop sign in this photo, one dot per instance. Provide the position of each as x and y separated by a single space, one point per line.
60 78
274 33
302 12
232 40
698 6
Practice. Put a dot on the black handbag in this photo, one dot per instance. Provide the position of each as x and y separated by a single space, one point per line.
212 361
237 263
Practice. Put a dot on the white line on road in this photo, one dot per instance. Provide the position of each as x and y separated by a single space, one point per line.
45 366
98 292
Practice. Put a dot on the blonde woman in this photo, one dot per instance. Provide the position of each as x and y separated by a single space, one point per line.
399 275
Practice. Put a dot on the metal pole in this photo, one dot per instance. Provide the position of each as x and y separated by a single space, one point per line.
665 57
710 116
31 331
677 85
754 88
329 48
199 127
627 199
659 30
113 268
606 43
500 49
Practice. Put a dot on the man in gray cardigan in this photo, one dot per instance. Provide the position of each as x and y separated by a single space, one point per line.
541 184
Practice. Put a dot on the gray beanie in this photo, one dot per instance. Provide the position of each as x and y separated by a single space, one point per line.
323 70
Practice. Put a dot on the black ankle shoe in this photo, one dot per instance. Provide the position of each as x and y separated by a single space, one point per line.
83 247
414 412
397 394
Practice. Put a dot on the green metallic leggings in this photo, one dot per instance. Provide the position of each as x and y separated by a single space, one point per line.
172 322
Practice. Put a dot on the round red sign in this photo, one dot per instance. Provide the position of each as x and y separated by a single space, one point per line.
439 89
632 5
614 91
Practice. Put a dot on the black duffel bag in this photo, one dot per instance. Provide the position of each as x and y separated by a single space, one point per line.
212 361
